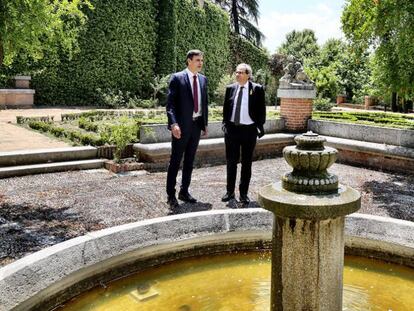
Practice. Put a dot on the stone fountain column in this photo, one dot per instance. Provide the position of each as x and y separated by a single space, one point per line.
309 207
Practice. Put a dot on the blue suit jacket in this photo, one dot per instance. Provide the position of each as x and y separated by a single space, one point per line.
180 104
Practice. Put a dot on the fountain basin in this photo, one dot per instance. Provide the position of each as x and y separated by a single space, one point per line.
49 277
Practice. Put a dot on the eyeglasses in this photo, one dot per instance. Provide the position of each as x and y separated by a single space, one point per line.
240 72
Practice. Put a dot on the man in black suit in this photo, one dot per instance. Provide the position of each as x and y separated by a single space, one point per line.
187 111
244 114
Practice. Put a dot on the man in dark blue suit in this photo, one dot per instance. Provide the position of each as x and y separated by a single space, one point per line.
187 111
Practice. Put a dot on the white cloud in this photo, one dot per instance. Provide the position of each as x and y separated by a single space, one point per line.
323 20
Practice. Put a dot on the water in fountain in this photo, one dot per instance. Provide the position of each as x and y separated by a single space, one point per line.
242 282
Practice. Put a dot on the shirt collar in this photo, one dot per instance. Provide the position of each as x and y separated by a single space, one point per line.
190 74
246 85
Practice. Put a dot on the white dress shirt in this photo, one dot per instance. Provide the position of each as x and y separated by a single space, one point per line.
244 108
190 77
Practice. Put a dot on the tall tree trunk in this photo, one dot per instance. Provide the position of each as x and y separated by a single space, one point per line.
235 15
394 106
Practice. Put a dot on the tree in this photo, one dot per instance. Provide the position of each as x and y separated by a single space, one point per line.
36 26
337 69
387 27
242 12
301 44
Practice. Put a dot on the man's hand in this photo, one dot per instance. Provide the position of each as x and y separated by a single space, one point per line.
176 131
204 134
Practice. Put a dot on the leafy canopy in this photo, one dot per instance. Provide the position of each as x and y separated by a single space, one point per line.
36 26
243 15
387 26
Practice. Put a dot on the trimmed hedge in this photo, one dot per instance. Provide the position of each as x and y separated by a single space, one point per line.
243 51
117 51
378 119
206 29
167 37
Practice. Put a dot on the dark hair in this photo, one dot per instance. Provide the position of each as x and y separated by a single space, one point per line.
192 53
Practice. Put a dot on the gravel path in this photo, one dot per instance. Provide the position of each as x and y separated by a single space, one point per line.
41 210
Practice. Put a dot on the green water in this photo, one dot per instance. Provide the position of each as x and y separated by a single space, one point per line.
241 282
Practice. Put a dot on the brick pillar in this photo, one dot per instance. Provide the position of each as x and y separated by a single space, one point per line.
296 108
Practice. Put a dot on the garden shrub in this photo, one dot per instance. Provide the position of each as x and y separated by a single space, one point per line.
121 134
220 92
378 119
322 104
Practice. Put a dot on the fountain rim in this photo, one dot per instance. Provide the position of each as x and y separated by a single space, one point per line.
26 283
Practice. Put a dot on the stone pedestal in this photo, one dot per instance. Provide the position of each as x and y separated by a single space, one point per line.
308 234
340 99
369 101
22 82
16 98
296 107
20 97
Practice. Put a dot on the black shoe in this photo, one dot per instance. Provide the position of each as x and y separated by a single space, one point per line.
227 197
186 197
172 202
244 199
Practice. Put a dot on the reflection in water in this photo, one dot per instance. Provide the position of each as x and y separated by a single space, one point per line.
242 283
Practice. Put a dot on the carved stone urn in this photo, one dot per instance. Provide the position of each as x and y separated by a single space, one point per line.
310 161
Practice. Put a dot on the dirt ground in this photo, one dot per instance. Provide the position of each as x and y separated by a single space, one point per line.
41 210
13 137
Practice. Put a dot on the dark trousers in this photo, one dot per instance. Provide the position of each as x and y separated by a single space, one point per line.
239 139
187 146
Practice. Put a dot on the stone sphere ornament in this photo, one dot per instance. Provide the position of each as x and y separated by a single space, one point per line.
310 160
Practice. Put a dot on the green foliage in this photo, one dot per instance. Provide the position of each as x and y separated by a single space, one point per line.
116 52
87 124
166 37
118 99
242 51
220 92
159 88
300 44
121 134
206 29
75 136
387 26
270 84
337 70
322 104
369 118
242 12
33 28
326 81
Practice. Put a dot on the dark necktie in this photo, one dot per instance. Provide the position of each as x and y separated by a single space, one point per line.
238 107
195 94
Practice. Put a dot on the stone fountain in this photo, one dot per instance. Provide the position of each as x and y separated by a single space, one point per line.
309 207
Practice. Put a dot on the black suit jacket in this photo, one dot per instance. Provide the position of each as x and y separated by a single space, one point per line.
257 108
180 103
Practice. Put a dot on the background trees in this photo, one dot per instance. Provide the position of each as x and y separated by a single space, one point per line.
242 13
301 44
387 27
31 28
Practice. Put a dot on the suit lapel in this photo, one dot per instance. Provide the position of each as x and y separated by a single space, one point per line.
233 93
250 96
187 82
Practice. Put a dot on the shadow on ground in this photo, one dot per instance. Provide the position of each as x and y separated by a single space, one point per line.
394 195
25 229
190 208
